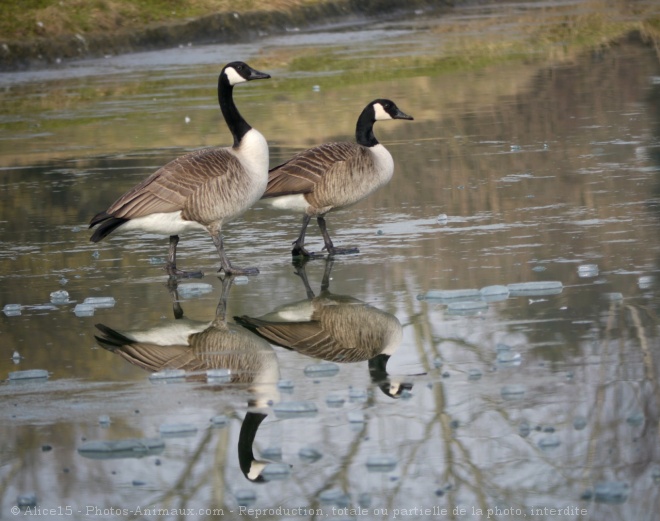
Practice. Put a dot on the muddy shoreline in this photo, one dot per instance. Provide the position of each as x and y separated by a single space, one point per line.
231 27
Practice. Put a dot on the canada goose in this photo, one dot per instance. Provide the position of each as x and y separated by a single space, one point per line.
334 175
336 328
198 346
201 190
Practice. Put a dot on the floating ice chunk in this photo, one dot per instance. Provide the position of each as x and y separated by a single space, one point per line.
221 376
381 463
175 430
448 295
295 409
615 296
272 453
194 289
324 369
16 357
26 500
364 500
611 492
508 358
513 392
472 307
494 293
309 454
579 423
12 310
29 374
357 395
285 385
474 374
524 429
104 420
245 497
645 281
126 448
549 442
219 420
168 374
335 401
545 287
100 302
334 496
587 270
442 218
635 419
59 297
437 362
241 279
84 310
276 471
355 417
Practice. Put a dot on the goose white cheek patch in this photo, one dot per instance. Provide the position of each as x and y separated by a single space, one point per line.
233 76
380 112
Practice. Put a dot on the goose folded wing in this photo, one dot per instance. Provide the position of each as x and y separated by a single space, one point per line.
305 170
168 189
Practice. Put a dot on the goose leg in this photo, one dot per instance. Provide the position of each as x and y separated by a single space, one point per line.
299 244
171 268
328 242
225 265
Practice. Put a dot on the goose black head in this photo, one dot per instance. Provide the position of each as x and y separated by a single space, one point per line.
239 72
387 109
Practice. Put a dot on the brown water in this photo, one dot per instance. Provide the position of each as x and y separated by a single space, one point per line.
516 404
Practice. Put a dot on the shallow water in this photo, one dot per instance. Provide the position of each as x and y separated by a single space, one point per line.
510 403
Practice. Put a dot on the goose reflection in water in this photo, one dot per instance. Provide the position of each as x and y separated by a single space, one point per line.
334 328
197 347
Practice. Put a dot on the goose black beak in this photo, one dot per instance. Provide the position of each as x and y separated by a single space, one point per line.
402 115
256 75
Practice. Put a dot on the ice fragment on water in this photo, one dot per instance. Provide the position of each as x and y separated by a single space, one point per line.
220 420
272 453
466 307
334 496
513 391
84 310
524 429
309 454
218 376
579 423
334 401
59 297
442 218
381 463
635 419
474 374
194 289
545 287
245 497
355 417
29 374
549 442
357 395
587 270
276 471
285 385
508 358
295 409
611 492
494 293
168 374
26 500
126 448
447 295
12 310
614 296
241 279
100 302
177 429
645 281
322 369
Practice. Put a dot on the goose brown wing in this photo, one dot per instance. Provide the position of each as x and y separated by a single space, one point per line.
305 170
168 189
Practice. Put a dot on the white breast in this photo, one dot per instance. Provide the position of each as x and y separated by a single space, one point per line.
383 163
253 155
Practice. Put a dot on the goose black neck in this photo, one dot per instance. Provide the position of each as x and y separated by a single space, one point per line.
364 131
237 125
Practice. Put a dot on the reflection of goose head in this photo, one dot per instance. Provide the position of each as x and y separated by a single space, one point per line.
197 347
335 328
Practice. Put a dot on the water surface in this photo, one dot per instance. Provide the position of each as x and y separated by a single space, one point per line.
512 174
